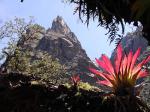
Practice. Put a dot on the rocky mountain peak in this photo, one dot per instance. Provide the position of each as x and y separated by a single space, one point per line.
62 44
60 26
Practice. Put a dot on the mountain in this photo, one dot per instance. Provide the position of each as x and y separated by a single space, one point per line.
61 43
132 41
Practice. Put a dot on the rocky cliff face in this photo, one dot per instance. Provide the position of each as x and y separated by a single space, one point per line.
134 40
61 43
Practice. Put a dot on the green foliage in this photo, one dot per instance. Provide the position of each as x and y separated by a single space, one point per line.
49 70
20 62
82 86
85 86
44 69
17 27
19 31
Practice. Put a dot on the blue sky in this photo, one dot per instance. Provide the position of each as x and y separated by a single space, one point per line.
92 38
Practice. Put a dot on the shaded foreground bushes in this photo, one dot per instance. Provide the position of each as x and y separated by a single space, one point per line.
18 93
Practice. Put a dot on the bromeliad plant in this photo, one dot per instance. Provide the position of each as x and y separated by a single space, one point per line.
75 79
122 75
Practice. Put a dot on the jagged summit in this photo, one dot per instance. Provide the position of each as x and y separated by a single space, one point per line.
60 26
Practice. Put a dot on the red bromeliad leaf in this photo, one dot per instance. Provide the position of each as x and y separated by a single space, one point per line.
142 74
75 79
123 66
140 65
103 65
106 76
106 65
147 59
118 58
136 55
109 64
104 82
97 73
129 58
